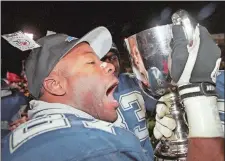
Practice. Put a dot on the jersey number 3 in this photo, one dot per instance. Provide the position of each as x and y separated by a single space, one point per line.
133 103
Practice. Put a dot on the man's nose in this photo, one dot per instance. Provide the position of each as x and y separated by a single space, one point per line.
107 67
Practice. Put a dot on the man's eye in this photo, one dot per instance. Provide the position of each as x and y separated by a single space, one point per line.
114 57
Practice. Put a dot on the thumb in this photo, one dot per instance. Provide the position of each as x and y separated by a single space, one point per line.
157 134
161 110
179 34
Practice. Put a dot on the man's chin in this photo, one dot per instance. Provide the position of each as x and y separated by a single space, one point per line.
110 115
112 119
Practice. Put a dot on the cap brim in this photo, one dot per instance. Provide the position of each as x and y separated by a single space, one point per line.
99 39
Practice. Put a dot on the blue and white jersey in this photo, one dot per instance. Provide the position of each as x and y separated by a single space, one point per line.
57 132
220 92
132 111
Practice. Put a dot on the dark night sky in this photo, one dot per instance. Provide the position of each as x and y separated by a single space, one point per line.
77 18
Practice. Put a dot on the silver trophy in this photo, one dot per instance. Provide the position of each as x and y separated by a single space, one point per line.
148 52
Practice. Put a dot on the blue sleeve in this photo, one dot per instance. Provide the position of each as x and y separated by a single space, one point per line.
117 156
220 91
220 84
10 105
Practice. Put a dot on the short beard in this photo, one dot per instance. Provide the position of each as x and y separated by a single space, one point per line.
88 102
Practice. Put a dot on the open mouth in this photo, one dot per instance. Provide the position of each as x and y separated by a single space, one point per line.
111 88
109 94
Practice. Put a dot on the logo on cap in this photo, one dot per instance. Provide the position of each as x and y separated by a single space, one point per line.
70 38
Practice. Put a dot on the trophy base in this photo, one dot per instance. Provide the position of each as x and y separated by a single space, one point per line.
171 150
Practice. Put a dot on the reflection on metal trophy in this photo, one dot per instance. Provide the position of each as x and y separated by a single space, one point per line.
149 51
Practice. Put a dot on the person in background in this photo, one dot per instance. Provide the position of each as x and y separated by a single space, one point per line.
13 106
133 102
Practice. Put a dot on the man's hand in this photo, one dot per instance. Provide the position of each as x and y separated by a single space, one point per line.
18 122
197 63
194 70
165 124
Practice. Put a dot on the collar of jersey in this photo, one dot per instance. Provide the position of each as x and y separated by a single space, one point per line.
40 108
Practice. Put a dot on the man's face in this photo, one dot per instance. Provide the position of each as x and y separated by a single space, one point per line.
112 58
137 62
90 83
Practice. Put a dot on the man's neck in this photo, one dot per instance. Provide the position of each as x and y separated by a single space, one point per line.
56 99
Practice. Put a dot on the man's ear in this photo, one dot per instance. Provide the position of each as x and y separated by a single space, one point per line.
55 85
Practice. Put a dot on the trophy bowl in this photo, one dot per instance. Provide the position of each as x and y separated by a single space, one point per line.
149 52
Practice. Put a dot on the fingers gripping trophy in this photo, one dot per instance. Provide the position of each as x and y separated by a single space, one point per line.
168 60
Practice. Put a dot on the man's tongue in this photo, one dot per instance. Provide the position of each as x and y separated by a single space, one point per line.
111 98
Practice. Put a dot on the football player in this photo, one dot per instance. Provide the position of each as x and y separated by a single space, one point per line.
70 117
133 102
